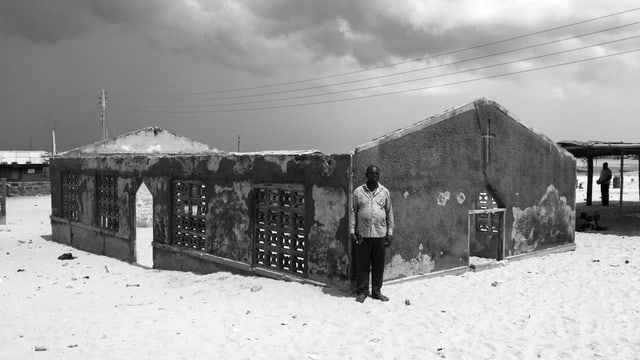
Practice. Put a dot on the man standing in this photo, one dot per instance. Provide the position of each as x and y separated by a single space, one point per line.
371 229
604 181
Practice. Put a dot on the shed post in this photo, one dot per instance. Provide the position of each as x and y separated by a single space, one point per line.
621 180
589 179
3 201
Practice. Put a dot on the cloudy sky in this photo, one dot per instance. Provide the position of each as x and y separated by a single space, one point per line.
322 74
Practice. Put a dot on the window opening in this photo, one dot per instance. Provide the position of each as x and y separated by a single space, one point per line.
280 241
70 196
108 209
189 215
486 228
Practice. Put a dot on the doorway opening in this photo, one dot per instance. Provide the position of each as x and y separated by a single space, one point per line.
486 230
144 227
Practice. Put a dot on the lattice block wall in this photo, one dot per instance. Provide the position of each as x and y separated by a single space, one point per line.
487 222
70 196
280 240
108 209
189 215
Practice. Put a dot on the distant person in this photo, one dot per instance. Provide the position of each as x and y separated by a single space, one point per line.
371 229
604 181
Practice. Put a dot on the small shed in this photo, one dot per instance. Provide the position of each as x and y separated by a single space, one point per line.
595 149
470 183
26 172
23 165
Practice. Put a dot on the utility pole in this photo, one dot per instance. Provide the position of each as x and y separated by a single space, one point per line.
238 143
53 138
102 101
30 135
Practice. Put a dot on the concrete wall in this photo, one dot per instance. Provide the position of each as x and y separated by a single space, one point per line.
28 188
229 180
436 172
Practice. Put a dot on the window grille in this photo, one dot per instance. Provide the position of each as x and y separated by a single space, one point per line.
484 222
108 209
70 197
280 241
189 215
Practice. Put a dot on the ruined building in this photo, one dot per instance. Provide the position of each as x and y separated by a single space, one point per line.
470 183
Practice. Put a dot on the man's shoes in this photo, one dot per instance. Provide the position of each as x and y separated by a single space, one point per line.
379 296
361 297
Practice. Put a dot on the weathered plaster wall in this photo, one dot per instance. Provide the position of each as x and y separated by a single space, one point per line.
229 180
436 172
531 173
28 188
422 169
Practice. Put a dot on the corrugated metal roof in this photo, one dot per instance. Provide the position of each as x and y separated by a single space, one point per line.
20 157
599 148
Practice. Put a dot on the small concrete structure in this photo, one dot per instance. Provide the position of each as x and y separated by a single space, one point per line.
470 183
27 172
595 149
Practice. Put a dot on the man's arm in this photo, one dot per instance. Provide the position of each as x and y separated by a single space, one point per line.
353 213
389 210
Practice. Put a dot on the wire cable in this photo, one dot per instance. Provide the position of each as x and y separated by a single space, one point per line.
402 62
409 71
418 79
391 92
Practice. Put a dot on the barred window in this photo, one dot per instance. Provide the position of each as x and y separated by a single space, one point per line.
189 215
70 196
108 210
280 240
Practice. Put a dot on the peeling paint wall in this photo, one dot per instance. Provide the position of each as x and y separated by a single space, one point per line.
548 223
328 253
229 181
436 172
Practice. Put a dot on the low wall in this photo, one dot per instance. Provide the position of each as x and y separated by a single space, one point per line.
28 188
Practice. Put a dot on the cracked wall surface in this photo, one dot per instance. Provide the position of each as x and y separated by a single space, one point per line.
436 169
229 181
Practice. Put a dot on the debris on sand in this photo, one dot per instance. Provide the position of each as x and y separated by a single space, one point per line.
66 256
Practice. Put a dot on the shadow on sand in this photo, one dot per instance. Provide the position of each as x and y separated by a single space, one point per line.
617 220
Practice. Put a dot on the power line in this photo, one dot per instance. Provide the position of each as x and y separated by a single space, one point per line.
407 71
422 78
399 63
392 92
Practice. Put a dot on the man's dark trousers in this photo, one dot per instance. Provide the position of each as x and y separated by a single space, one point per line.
369 256
604 189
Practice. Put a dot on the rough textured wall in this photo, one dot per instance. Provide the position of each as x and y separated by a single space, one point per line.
427 172
28 188
229 181
535 179
436 170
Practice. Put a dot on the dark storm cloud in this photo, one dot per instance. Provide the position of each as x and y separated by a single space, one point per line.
377 34
51 21
260 36
45 21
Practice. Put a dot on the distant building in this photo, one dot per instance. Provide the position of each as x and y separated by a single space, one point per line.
471 182
26 172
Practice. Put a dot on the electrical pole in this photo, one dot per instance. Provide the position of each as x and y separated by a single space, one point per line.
238 143
102 101
53 137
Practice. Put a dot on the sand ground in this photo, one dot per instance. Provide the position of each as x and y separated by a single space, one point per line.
581 304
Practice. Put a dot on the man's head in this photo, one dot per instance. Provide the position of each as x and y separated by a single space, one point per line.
372 174
605 165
